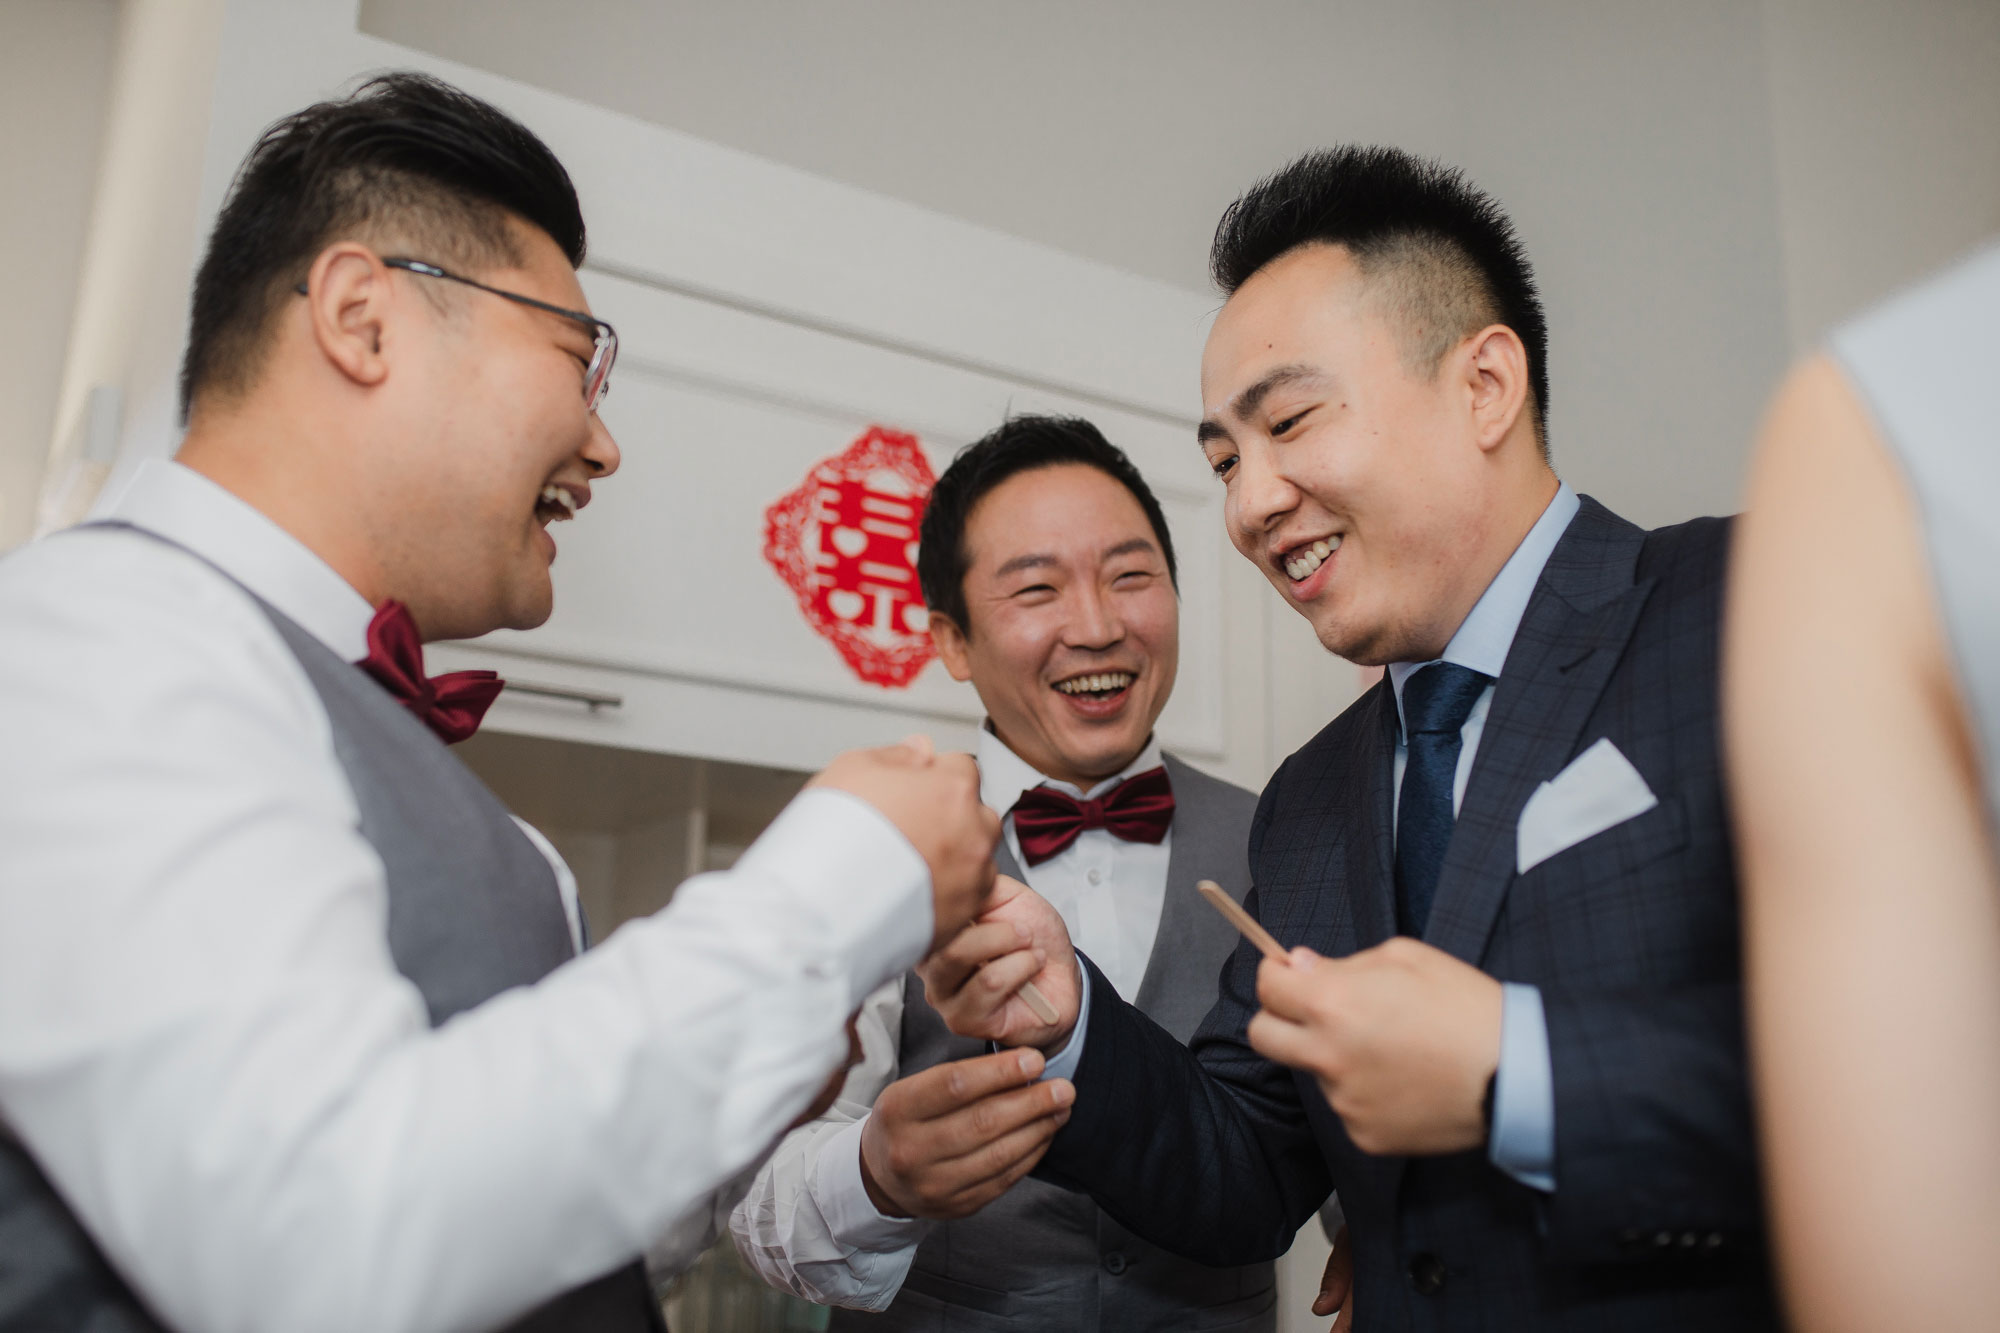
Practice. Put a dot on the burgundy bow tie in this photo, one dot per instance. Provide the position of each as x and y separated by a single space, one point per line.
450 705
1139 809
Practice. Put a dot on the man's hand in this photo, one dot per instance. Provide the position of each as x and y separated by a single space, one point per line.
975 980
945 1143
1336 1285
1402 1038
933 799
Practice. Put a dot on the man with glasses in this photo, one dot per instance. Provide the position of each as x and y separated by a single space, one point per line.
294 1029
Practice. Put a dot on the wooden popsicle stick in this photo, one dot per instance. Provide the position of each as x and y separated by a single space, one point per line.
1219 899
1032 996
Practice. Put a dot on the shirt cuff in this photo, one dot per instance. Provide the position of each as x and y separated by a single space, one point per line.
1523 1141
843 1199
854 875
1064 1062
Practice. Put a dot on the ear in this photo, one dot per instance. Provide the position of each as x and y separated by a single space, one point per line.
351 302
1496 375
953 650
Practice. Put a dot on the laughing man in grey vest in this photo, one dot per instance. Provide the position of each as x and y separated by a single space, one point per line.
294 1031
1049 573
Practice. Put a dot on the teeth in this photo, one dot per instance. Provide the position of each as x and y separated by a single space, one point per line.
1306 560
1102 682
557 496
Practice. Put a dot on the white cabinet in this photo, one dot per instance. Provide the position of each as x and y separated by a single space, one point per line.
719 412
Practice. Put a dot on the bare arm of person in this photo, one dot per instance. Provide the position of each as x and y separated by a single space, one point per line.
1872 912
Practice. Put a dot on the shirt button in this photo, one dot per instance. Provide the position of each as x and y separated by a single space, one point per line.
1095 876
1427 1273
1115 1263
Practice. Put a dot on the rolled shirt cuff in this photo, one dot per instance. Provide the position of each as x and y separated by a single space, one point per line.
850 1214
1523 1139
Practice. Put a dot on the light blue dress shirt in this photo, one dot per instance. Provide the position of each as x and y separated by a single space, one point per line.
1523 1142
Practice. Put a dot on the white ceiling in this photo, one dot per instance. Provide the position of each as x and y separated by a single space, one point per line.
1115 129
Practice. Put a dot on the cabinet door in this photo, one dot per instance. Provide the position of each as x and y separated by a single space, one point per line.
720 412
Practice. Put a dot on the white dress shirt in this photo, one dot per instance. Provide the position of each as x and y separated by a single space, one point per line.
205 1042
807 1224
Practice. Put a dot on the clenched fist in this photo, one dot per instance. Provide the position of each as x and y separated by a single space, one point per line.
1401 1038
933 800
974 980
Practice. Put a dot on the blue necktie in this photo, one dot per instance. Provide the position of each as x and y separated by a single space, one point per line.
1436 702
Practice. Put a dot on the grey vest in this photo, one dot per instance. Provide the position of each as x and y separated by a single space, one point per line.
473 910
1040 1257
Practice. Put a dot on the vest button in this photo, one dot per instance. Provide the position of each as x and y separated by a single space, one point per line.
1427 1273
1115 1263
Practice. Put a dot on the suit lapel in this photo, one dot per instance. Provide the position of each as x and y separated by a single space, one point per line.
1572 635
1178 923
1368 874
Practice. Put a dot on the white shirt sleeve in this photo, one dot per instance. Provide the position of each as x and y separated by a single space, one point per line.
807 1225
205 1043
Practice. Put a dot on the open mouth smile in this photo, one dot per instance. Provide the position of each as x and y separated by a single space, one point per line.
1097 695
1302 562
1098 685
557 504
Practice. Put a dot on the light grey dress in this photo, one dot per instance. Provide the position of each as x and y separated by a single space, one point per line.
1927 364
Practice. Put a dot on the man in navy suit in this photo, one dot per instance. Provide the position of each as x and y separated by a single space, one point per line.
1509 1026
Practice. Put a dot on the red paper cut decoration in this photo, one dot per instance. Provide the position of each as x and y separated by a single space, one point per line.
845 542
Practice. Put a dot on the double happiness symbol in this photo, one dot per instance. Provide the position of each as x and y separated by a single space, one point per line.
845 543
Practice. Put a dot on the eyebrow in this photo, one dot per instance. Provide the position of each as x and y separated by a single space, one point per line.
1253 397
1129 546
1041 560
1021 562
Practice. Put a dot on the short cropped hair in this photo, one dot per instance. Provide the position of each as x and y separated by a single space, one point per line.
406 160
1020 444
1445 256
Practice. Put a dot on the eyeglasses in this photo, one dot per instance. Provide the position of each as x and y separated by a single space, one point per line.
604 351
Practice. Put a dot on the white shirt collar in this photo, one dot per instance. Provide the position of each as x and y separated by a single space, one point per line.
1004 775
183 506
1487 634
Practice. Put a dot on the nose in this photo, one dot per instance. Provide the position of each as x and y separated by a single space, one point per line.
1094 624
600 451
1261 497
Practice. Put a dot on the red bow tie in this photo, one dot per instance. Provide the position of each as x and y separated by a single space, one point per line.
1139 809
450 705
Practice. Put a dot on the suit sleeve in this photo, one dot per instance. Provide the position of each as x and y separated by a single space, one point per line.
1202 1149
1654 1135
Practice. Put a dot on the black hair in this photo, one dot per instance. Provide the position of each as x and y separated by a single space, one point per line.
1452 252
406 158
1020 444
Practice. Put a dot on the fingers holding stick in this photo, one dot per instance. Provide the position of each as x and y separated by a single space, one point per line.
1032 996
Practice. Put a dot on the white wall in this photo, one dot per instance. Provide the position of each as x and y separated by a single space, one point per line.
55 67
1631 142
1705 186
1887 124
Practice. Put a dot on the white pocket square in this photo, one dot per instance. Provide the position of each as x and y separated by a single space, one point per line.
1599 789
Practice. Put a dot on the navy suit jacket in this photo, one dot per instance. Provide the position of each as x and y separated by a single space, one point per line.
1218 1154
